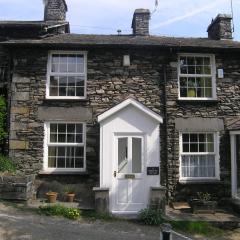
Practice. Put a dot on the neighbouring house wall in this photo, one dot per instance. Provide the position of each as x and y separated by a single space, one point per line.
108 84
226 108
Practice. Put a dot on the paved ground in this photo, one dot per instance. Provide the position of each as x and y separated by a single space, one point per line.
19 225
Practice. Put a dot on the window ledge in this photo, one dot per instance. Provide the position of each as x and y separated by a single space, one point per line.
63 173
203 181
66 100
193 101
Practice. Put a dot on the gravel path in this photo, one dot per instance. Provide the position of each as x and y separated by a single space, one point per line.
19 225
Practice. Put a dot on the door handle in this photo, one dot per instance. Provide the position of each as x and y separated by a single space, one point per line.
115 173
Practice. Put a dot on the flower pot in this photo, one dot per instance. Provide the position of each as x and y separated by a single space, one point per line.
199 206
70 197
52 197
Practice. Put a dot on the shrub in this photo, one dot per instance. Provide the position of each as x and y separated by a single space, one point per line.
59 210
6 164
150 216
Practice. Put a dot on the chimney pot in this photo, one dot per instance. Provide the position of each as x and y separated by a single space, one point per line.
220 27
140 22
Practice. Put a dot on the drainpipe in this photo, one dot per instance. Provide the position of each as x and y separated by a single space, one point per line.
166 123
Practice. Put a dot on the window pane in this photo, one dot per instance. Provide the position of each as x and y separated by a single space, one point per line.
193 138
70 157
52 162
71 91
62 138
194 147
122 155
185 138
183 82
183 92
62 128
136 155
70 138
61 162
53 137
79 163
79 138
185 147
53 128
79 128
70 128
79 152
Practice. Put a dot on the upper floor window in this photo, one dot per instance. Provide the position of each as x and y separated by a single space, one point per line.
67 75
196 74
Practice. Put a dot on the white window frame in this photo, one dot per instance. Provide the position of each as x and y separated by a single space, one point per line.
213 70
216 153
47 143
50 73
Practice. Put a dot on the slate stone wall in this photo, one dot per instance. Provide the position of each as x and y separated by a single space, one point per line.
108 84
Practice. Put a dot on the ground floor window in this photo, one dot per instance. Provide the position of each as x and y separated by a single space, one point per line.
65 146
199 156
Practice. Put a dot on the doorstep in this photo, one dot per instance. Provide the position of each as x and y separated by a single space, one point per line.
221 216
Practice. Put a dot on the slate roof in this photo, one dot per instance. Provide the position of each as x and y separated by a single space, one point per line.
66 40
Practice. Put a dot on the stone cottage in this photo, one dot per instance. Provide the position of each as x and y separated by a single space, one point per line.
127 117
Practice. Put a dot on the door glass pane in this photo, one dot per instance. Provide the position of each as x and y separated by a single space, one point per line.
122 155
136 155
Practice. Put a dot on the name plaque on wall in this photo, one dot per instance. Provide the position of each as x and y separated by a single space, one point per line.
152 170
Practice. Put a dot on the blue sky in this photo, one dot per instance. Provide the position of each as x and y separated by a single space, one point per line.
172 18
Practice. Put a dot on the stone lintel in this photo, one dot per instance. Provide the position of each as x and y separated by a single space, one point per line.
18 145
65 113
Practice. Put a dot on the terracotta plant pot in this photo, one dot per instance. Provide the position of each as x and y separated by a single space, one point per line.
70 197
51 196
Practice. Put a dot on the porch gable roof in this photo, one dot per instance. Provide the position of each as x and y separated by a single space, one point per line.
124 104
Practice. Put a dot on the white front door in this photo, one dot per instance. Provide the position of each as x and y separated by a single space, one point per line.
129 191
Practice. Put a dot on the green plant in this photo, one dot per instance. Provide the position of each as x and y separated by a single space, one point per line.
6 164
204 196
150 216
196 227
69 188
59 210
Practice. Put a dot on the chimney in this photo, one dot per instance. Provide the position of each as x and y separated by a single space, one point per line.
55 10
221 27
140 22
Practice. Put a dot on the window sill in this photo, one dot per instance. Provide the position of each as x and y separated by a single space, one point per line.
200 181
193 101
66 100
63 173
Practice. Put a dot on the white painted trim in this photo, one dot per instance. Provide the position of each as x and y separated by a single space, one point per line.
233 165
46 144
49 73
215 153
213 75
133 102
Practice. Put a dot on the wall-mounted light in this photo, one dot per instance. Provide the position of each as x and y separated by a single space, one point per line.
126 61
